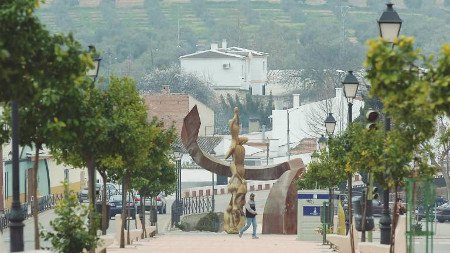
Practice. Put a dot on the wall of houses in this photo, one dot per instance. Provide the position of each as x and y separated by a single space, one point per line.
223 73
171 108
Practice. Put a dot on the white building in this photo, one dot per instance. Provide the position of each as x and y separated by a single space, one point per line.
229 69
307 121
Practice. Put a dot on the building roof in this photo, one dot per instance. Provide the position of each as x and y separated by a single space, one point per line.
206 143
229 52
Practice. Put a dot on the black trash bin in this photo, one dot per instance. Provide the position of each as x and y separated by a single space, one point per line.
153 216
98 209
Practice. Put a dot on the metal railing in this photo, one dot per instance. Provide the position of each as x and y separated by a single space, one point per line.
201 204
44 203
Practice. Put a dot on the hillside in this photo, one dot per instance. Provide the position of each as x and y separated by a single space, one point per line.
138 35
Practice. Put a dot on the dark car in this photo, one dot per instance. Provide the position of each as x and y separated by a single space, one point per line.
420 209
443 212
377 206
115 202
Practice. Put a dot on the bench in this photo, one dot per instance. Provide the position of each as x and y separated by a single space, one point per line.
342 242
400 241
135 234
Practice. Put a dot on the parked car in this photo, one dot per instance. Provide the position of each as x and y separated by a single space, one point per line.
377 206
84 194
443 212
147 203
420 209
115 202
111 189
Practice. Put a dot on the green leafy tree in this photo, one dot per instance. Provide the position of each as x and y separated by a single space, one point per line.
80 142
21 39
179 82
413 4
414 97
129 132
47 113
48 69
70 234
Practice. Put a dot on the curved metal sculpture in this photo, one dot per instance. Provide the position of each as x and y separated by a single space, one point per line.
280 212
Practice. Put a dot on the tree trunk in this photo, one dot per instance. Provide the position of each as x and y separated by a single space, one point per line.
124 213
91 189
350 216
445 173
128 213
104 211
394 221
144 230
35 208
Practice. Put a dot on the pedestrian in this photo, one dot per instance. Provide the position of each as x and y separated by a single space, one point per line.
401 210
250 214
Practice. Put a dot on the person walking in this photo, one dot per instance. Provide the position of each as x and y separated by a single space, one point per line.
250 214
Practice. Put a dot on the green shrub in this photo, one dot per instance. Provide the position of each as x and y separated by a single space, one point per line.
70 231
208 223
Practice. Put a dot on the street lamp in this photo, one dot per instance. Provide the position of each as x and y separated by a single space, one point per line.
315 156
213 202
288 131
16 216
330 124
322 142
93 73
389 25
350 84
176 214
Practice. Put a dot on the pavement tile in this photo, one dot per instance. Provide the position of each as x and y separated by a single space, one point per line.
200 242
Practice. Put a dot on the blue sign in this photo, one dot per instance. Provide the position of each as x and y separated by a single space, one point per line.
311 210
315 196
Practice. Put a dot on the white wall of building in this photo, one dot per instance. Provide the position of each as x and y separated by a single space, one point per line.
305 117
233 76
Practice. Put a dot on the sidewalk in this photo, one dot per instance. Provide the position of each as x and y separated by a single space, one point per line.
206 242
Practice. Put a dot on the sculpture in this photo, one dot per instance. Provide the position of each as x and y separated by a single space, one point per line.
237 186
280 211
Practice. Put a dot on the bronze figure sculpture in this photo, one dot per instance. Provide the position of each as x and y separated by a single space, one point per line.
237 186
280 211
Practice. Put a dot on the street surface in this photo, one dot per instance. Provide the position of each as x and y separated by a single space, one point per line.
176 241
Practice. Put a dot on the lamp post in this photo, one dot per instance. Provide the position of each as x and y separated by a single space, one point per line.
350 84
322 142
330 124
16 216
288 111
213 202
389 26
176 214
93 73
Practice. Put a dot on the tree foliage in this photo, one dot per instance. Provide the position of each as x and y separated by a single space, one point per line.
413 96
70 233
179 82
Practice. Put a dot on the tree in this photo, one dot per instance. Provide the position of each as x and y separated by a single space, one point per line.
413 4
79 144
413 97
130 133
179 82
21 38
42 72
70 233
45 115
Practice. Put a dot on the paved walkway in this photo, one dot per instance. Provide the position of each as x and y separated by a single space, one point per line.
204 242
